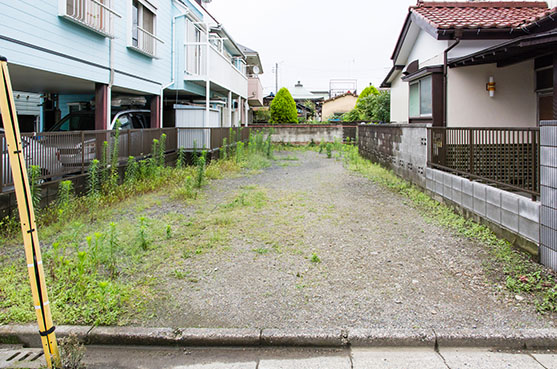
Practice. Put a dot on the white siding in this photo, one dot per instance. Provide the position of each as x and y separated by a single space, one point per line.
514 104
467 47
399 101
427 50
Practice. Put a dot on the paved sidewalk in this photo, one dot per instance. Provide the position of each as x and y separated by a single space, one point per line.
104 357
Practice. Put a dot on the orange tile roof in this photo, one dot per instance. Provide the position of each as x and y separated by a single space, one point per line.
481 15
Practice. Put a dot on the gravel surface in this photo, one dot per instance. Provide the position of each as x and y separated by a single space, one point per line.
329 248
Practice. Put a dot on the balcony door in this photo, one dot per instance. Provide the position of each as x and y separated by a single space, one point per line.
193 48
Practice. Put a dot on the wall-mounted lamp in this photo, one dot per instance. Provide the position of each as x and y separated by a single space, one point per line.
490 86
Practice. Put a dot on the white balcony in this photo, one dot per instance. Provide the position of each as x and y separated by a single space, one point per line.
96 15
255 90
204 62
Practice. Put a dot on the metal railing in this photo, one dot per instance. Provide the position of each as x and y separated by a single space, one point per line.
94 14
197 59
62 154
147 42
505 157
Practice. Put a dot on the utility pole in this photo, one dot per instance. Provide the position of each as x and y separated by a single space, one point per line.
276 79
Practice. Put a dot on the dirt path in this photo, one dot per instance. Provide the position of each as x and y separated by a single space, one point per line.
306 243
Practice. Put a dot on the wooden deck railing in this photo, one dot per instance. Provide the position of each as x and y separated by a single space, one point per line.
62 154
505 157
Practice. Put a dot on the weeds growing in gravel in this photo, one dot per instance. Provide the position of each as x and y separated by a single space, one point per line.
91 275
34 175
516 271
315 258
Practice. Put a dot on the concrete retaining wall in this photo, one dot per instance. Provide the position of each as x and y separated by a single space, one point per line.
400 147
303 134
512 213
548 182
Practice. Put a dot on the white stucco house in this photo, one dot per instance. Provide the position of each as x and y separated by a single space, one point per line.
475 64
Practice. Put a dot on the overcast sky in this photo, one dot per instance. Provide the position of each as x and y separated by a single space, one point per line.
316 40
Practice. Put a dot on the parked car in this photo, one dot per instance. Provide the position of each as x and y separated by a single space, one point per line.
35 153
77 150
85 120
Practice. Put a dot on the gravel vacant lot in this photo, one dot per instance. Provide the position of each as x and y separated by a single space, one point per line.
307 243
304 243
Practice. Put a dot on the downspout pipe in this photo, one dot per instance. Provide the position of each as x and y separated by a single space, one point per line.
445 79
172 61
110 83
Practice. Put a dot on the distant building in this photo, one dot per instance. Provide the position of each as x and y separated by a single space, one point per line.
341 86
255 89
338 105
324 94
301 95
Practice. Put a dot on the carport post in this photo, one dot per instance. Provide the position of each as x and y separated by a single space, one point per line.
229 108
155 111
101 116
101 107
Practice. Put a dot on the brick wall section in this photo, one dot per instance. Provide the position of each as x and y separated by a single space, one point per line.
400 147
548 178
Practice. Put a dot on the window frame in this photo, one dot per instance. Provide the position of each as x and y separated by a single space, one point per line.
418 82
143 5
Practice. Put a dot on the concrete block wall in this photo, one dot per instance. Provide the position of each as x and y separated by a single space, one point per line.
400 147
548 183
514 213
303 134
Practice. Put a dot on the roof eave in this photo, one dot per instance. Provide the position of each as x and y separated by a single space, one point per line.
220 29
388 79
483 56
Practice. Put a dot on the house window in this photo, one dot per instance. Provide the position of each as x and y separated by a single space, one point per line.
420 102
544 87
97 15
143 21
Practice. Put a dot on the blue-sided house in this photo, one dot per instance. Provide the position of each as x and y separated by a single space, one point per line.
83 54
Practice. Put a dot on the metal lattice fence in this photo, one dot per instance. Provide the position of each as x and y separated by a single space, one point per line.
505 157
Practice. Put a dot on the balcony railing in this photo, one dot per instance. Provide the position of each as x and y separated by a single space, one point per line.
255 91
204 61
505 157
146 42
96 15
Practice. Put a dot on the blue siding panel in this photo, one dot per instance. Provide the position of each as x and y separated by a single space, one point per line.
63 101
37 23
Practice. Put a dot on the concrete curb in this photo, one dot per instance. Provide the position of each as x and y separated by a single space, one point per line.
137 336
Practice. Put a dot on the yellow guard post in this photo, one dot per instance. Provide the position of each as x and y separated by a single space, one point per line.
27 218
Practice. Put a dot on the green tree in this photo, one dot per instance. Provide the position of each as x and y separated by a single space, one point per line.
352 116
311 107
373 107
369 90
283 108
382 109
